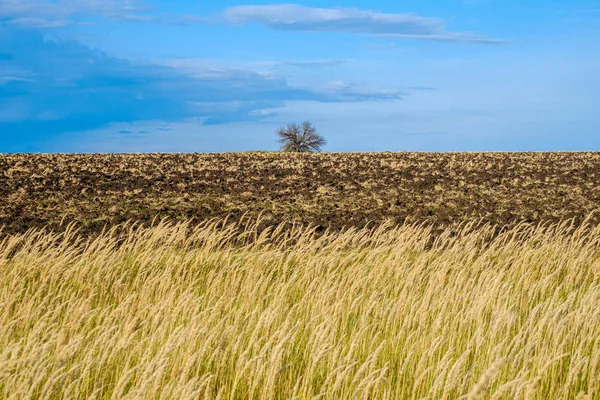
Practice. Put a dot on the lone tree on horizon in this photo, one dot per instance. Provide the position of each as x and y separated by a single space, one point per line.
300 138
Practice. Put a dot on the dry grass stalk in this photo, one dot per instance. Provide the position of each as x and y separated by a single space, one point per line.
174 312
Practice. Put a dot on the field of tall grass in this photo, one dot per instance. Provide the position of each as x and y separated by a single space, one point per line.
175 312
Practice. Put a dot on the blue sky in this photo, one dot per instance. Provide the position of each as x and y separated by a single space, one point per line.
379 75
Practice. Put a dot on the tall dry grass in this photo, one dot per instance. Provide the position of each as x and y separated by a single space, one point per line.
171 312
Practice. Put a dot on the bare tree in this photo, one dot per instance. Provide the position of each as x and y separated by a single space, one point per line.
300 138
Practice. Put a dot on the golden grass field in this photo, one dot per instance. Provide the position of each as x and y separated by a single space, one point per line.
175 311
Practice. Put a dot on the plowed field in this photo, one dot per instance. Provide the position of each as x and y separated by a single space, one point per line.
328 190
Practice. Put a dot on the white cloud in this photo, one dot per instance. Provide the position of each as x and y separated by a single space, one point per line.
25 22
46 86
8 79
56 14
293 17
310 64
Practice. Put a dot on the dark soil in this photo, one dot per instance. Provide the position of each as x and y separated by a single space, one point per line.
327 190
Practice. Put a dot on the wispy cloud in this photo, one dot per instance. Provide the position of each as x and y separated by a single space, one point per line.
38 23
59 13
310 64
250 81
7 79
53 86
421 133
289 17
293 17
350 91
